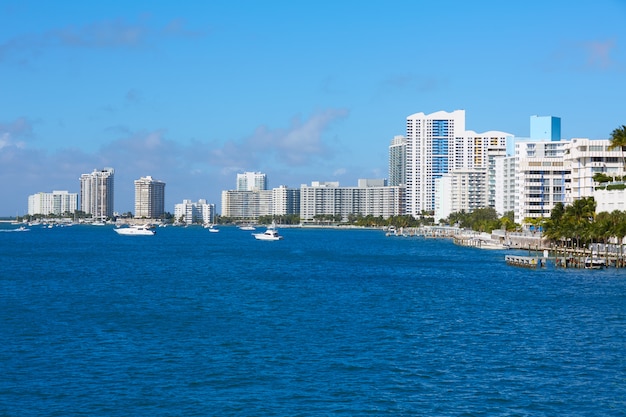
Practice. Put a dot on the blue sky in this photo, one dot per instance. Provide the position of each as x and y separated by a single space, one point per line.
193 92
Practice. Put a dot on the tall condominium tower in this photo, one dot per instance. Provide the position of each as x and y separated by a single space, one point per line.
397 161
429 155
251 181
438 144
96 193
149 198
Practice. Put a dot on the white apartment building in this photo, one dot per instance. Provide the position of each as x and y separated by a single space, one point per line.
149 198
461 190
371 197
285 201
505 194
429 155
584 158
437 144
190 212
97 192
397 161
532 180
477 151
542 178
56 202
251 181
247 205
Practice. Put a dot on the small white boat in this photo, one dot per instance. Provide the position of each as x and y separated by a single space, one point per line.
247 227
594 263
213 229
145 230
270 234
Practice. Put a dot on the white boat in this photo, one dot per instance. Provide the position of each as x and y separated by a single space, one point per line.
145 230
247 227
270 234
594 263
213 229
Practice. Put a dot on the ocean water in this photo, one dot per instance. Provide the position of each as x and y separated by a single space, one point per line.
325 322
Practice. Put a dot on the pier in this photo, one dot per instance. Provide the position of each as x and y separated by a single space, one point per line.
567 259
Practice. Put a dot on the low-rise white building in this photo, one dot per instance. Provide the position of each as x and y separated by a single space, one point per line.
190 212
56 202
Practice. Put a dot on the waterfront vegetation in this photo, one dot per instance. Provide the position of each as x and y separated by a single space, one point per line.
578 224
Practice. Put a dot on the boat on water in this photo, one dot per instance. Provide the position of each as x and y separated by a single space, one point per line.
270 234
145 230
247 227
594 263
213 229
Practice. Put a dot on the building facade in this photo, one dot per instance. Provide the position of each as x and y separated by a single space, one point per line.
251 181
97 192
149 198
429 155
505 190
285 201
247 205
545 128
461 190
438 144
56 202
370 198
189 212
541 178
397 161
584 158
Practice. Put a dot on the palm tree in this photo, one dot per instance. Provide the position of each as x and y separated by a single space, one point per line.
618 140
578 217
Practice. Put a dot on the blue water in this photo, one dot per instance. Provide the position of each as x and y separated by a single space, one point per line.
325 322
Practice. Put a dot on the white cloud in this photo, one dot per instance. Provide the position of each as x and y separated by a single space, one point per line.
108 33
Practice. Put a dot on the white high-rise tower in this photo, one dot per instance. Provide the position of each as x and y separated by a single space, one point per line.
429 155
96 193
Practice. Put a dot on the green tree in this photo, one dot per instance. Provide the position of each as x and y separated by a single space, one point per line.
618 141
578 218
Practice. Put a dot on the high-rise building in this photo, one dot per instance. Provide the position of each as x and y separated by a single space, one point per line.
505 195
251 181
438 144
56 202
96 193
149 198
285 201
429 155
397 161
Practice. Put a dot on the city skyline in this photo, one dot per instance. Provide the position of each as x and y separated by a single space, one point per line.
193 94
